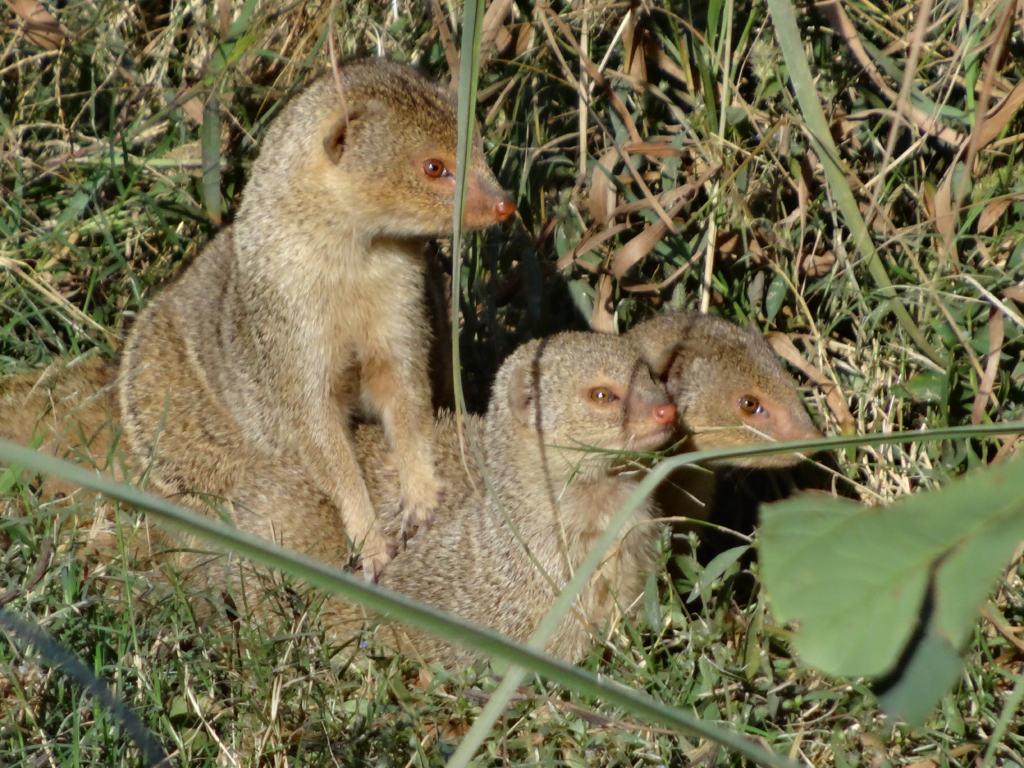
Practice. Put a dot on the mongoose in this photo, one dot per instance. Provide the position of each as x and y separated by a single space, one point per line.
730 390
262 349
726 383
69 409
553 402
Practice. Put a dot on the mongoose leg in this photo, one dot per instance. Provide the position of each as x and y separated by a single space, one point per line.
407 423
333 465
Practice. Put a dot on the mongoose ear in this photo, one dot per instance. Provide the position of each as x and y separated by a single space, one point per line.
660 360
520 393
334 141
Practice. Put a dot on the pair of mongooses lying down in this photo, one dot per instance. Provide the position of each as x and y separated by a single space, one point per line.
561 412
560 409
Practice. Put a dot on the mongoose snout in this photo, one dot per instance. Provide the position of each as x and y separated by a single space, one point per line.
651 427
664 414
486 202
764 414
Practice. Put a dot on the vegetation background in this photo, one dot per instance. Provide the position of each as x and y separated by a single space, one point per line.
127 132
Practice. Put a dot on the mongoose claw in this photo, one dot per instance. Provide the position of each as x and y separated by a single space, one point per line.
416 521
373 567
417 506
377 553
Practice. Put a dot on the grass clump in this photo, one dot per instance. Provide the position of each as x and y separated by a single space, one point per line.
725 208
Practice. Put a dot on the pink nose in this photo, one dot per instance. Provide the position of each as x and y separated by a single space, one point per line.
664 414
503 209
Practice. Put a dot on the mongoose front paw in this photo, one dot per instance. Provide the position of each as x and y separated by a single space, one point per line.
418 515
375 555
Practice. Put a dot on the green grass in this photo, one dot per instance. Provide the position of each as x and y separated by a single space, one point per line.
102 202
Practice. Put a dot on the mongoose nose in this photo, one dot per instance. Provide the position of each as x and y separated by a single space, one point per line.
503 209
664 414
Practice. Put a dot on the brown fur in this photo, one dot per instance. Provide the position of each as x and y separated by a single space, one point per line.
254 360
560 498
710 367
69 409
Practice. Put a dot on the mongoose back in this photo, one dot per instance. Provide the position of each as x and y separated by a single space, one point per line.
69 408
261 350
554 401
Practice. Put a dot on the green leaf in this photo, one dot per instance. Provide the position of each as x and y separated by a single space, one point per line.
716 569
933 666
582 296
239 25
10 477
926 387
76 207
857 579
776 295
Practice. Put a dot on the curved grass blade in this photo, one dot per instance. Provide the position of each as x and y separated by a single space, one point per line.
398 606
817 130
58 656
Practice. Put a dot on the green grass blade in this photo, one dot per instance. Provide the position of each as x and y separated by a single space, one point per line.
381 600
469 69
211 158
56 655
817 130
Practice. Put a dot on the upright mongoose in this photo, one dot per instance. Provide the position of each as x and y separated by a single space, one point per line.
262 350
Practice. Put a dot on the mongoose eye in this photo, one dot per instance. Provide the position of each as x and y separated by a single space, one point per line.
602 395
750 404
435 169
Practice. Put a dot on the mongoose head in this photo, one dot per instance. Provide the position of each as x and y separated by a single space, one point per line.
385 150
727 384
557 399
